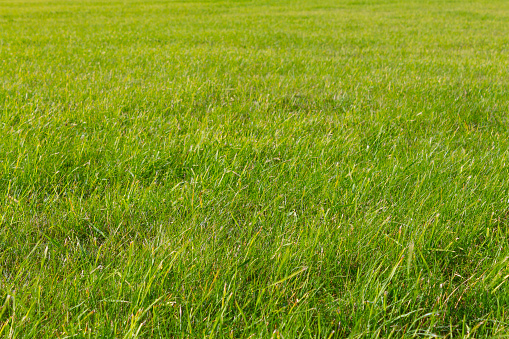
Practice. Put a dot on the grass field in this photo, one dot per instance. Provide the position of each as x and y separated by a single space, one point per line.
284 169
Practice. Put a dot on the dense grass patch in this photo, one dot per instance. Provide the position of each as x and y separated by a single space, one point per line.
254 169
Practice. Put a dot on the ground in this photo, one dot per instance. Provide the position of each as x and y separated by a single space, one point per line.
254 168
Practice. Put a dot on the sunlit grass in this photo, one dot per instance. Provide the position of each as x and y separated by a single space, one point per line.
254 169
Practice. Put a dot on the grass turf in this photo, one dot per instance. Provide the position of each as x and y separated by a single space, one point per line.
254 169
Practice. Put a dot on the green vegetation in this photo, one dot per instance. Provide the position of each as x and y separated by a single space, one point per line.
285 169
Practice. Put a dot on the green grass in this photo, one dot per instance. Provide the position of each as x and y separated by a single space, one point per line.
282 169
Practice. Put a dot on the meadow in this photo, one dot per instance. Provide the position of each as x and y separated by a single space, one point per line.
254 169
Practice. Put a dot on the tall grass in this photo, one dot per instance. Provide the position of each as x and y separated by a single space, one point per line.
256 169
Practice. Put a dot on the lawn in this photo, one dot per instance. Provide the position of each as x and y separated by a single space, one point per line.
262 169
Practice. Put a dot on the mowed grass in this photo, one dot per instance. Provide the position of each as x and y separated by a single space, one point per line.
282 169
